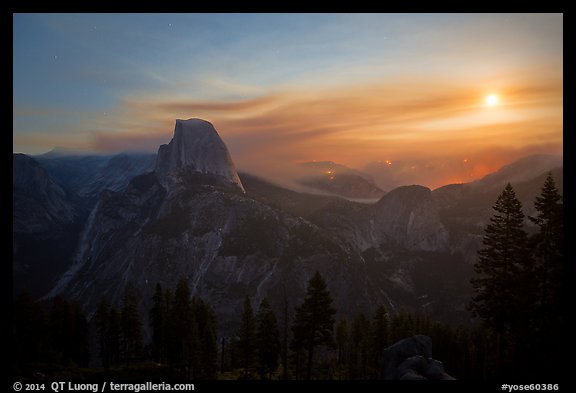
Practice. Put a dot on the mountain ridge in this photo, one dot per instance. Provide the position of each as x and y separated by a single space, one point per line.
188 218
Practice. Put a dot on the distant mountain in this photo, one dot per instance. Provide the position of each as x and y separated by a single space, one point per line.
60 151
53 194
191 219
88 175
73 172
521 170
118 172
45 224
188 214
296 203
390 174
408 216
467 208
339 180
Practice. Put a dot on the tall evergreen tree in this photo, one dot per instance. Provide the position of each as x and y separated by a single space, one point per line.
548 246
500 262
267 340
342 346
168 336
131 326
114 337
285 323
81 337
548 250
60 329
503 289
360 336
183 337
69 332
401 325
30 325
158 325
246 344
102 319
314 320
207 345
380 337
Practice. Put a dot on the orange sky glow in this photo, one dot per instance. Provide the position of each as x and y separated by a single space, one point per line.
409 91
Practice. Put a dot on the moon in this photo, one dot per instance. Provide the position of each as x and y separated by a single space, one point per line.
491 100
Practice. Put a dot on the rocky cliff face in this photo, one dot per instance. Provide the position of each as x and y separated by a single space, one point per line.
40 203
407 216
195 148
179 222
45 223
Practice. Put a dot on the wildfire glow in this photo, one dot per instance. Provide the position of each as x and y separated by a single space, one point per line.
331 174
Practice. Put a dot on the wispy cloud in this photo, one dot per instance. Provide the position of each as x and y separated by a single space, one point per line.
353 125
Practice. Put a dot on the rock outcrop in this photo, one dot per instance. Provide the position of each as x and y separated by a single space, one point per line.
195 148
411 359
408 216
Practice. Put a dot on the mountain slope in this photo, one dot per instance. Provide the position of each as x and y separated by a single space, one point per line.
177 222
338 179
518 171
231 235
45 223
88 175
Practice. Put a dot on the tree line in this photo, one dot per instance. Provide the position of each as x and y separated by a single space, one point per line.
519 284
184 344
518 290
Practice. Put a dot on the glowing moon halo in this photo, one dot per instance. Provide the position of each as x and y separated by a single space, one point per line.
491 100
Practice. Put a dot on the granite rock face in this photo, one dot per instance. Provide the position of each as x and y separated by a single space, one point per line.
190 219
195 147
411 359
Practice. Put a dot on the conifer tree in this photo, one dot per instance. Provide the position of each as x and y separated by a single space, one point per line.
207 345
503 287
246 344
380 337
314 320
69 332
183 333
267 340
342 347
102 319
131 326
360 338
80 338
29 331
548 246
158 324
114 337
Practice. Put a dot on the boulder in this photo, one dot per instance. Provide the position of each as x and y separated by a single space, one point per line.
411 359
